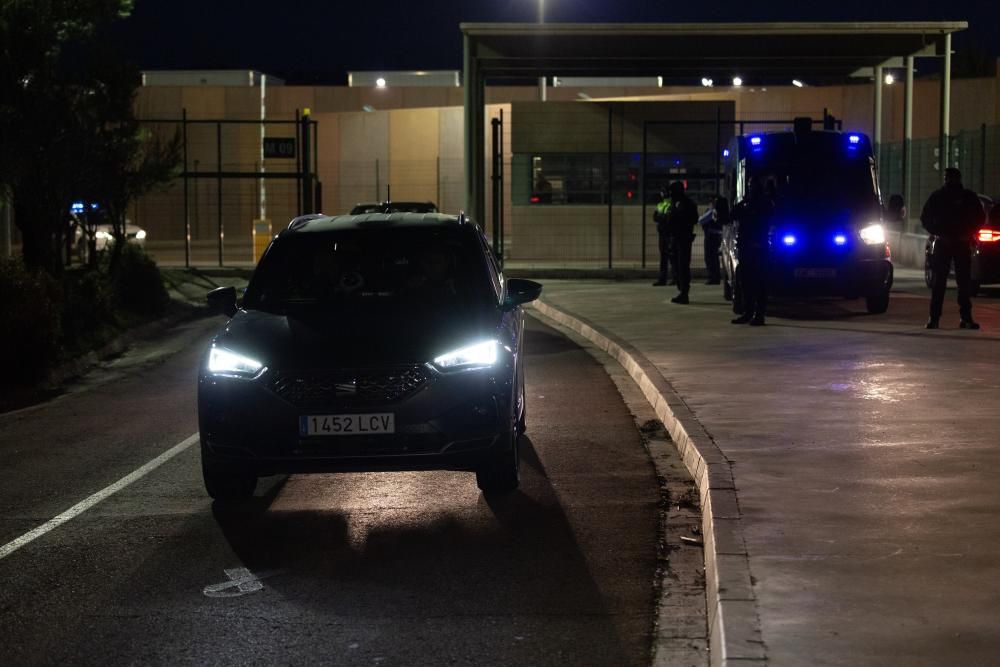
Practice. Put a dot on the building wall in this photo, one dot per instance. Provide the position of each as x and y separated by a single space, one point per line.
412 138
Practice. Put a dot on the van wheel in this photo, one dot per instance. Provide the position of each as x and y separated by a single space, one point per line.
737 293
878 303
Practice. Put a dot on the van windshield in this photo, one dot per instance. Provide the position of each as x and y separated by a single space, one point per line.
817 170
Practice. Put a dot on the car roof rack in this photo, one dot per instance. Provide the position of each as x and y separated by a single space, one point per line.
303 220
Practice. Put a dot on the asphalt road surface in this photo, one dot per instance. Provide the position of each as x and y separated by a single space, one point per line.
389 568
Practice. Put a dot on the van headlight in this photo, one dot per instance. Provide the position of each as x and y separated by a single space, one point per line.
231 364
479 355
873 234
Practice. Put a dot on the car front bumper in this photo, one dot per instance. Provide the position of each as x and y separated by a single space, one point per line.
452 422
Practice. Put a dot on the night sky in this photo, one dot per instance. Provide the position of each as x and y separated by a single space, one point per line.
318 42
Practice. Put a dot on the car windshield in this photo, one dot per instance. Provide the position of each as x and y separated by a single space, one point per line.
817 170
437 268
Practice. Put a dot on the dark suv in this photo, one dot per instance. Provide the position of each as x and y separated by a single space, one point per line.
362 343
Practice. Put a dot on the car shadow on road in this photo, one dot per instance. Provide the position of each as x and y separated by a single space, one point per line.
489 569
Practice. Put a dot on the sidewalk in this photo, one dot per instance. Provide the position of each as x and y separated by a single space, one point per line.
862 522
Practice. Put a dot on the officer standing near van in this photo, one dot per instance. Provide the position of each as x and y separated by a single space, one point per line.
953 214
681 219
754 217
663 237
711 223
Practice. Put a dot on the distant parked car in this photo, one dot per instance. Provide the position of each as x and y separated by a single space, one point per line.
105 236
395 207
985 253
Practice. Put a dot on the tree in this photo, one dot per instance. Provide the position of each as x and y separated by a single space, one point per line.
47 135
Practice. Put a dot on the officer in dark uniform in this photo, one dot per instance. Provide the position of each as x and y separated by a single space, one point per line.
663 236
953 214
711 223
681 219
754 217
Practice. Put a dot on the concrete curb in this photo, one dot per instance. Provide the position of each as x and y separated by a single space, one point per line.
734 624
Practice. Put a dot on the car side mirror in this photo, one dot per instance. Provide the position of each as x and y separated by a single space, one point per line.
222 300
521 291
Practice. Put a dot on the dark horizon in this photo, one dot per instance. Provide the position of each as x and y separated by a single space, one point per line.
321 45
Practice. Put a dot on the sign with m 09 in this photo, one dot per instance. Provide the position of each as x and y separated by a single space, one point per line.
279 147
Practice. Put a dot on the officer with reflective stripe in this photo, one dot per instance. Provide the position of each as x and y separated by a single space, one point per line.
661 216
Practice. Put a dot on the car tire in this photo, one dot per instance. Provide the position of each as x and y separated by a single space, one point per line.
226 483
502 473
522 419
877 304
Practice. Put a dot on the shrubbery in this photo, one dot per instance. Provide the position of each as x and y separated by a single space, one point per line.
138 285
29 322
43 322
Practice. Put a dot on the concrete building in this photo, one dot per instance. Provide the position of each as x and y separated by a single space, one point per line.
411 138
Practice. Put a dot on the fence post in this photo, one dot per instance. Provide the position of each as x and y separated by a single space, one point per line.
982 158
187 207
218 194
642 194
611 175
307 178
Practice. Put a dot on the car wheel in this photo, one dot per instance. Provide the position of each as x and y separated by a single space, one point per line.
522 423
878 303
928 272
226 483
502 473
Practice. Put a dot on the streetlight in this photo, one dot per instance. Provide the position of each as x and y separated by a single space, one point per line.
889 79
797 83
706 82
380 82
737 82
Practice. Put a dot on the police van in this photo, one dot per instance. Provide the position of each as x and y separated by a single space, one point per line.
827 235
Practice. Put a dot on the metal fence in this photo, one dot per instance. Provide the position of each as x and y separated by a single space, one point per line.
975 152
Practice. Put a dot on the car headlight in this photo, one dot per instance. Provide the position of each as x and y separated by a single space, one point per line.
230 364
104 236
141 234
479 355
873 234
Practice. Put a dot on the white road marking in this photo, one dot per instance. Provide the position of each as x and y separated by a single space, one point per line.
86 504
241 581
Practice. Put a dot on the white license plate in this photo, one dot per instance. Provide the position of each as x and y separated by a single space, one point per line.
815 273
356 424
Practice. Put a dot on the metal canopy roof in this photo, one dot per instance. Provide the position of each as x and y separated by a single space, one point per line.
764 51
758 52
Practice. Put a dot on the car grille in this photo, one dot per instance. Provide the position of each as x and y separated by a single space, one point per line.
318 388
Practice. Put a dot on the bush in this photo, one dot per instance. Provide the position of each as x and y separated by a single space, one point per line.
138 285
88 309
29 323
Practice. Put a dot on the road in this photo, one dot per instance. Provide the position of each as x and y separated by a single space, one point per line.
400 568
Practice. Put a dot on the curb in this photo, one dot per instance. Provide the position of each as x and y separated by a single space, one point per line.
734 624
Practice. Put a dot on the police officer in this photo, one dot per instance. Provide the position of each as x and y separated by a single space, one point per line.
711 223
681 219
953 214
663 237
754 217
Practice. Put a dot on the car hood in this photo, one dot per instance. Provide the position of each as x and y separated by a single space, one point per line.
319 339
